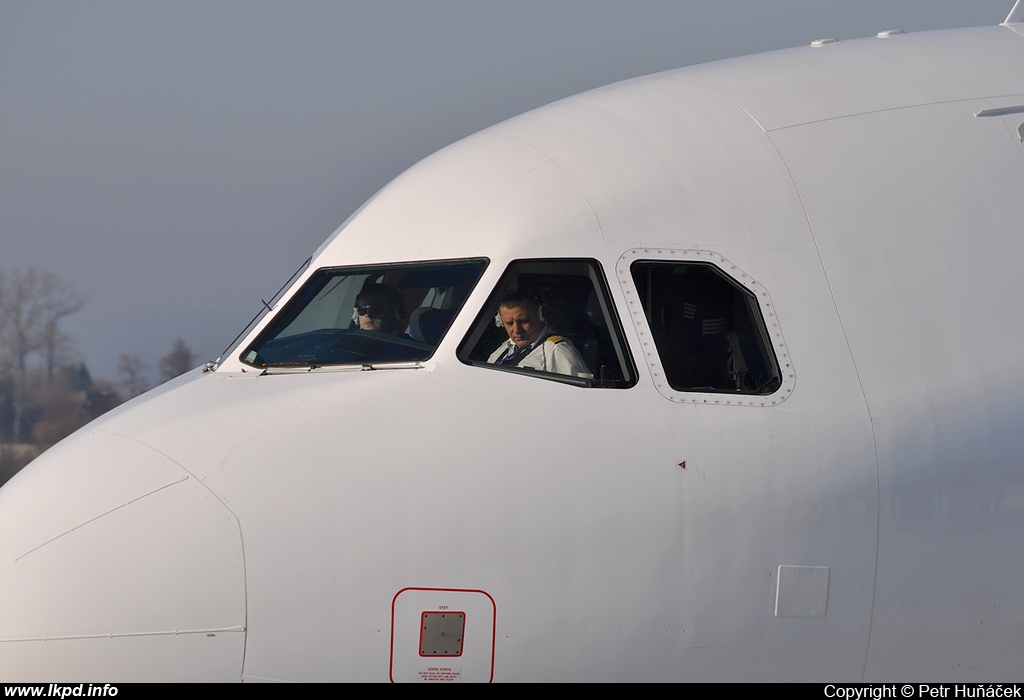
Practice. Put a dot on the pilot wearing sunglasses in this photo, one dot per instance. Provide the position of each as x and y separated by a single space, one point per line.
381 308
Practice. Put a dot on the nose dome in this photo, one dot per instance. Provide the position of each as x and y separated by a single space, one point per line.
117 564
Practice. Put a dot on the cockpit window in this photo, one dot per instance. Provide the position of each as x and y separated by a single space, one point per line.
708 329
552 319
366 315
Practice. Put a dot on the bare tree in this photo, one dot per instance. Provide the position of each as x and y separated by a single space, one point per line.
59 300
32 304
132 370
178 361
20 306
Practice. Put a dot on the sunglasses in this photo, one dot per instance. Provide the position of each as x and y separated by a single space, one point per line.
371 309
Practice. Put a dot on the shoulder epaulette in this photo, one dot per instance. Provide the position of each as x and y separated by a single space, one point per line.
556 339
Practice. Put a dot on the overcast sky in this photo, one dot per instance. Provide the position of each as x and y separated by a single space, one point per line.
176 161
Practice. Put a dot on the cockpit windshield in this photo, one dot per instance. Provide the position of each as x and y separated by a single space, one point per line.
367 315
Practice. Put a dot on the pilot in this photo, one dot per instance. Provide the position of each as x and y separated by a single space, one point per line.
380 307
530 340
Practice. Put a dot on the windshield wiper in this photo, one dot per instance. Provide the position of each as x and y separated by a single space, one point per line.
364 367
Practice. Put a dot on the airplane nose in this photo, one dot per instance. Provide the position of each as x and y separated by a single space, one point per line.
117 564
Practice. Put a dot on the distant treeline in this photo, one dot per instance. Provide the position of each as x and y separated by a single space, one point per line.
46 392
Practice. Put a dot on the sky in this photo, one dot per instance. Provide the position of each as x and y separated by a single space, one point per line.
175 162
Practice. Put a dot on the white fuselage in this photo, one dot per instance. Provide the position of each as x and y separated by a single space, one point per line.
860 522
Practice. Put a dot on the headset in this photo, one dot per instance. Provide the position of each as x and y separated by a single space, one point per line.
516 299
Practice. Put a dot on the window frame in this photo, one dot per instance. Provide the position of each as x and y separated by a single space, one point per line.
299 302
731 274
473 344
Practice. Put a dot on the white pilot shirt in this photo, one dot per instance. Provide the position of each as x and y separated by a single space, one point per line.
555 354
